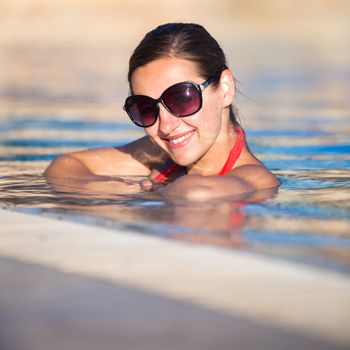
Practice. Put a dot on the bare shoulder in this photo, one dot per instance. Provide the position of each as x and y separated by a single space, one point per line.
257 175
136 158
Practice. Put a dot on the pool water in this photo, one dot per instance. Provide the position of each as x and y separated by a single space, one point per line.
308 220
54 98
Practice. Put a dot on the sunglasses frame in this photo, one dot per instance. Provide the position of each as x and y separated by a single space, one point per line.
199 88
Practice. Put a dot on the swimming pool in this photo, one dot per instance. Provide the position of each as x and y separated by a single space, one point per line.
307 221
297 123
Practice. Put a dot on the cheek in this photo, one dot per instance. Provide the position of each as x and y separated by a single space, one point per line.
152 131
208 119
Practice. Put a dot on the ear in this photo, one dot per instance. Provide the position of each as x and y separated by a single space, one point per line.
227 85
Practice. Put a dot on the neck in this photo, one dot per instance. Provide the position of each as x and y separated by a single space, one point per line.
213 160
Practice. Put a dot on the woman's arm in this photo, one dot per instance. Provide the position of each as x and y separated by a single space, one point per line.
135 158
199 187
241 183
68 166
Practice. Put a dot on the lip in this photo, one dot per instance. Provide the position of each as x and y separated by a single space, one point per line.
187 136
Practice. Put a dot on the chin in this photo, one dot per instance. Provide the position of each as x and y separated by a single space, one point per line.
184 159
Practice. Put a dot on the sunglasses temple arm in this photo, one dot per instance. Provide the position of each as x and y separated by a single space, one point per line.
207 82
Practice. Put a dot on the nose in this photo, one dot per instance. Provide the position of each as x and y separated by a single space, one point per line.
167 121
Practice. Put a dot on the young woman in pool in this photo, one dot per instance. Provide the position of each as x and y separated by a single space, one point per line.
181 94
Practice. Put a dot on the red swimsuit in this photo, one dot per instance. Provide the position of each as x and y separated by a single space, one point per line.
231 160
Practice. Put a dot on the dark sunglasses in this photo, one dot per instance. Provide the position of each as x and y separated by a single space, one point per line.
181 100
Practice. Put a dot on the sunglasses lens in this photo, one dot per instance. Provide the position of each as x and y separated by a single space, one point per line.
142 110
182 99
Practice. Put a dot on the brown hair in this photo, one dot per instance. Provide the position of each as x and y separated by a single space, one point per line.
186 40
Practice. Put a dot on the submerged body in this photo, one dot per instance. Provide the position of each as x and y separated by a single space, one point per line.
199 144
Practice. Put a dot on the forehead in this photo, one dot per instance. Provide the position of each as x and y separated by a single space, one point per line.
153 78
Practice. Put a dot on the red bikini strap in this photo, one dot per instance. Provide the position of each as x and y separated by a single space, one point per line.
234 153
162 177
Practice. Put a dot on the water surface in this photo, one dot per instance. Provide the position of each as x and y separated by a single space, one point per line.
308 220
296 119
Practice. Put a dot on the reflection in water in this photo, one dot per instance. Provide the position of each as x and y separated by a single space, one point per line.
122 201
311 224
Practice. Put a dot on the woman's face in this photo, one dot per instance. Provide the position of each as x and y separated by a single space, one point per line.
186 139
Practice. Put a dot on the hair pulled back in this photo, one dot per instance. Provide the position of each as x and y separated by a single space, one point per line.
188 41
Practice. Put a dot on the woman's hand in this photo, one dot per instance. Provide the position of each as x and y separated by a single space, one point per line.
146 185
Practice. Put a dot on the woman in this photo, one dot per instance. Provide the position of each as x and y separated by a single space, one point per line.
181 94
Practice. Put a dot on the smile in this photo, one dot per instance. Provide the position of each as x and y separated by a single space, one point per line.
179 141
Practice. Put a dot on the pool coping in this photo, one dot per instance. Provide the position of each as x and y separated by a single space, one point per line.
309 300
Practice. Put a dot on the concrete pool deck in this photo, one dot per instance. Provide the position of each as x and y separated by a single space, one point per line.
70 285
